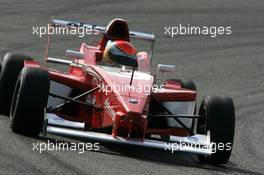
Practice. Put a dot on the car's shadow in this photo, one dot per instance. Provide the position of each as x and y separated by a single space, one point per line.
159 157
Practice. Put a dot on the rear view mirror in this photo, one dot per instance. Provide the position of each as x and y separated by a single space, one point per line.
74 54
166 68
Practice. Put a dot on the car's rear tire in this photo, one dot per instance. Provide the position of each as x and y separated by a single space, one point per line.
218 118
185 84
10 69
188 85
29 101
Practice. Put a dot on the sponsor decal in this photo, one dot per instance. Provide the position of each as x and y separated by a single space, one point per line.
109 108
90 99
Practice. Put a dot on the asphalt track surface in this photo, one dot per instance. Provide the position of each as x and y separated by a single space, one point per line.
227 65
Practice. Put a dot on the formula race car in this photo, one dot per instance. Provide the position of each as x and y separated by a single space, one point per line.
109 94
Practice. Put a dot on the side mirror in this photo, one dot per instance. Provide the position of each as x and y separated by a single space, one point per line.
166 68
74 54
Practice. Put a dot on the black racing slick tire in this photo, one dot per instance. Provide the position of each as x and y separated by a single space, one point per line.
10 69
218 117
29 101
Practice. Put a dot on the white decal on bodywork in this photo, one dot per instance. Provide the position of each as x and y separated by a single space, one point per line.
109 108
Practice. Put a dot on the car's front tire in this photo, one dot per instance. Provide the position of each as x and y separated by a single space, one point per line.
29 101
218 117
10 69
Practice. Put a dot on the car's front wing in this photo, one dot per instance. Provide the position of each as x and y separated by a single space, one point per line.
198 144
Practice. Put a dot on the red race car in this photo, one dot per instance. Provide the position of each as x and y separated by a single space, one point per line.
109 94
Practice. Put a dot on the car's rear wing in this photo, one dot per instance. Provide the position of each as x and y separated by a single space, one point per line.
133 34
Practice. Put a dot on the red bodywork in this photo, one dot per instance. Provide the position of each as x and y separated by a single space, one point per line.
124 118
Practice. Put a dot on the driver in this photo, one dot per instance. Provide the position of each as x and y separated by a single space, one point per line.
120 52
